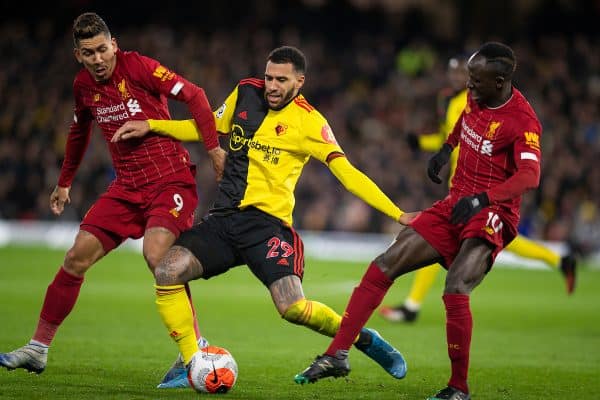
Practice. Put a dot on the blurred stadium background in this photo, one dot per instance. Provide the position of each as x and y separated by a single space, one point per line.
375 70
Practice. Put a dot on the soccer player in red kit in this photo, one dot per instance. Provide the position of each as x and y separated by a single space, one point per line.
499 159
154 193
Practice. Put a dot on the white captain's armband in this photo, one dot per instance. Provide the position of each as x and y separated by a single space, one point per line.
177 88
529 156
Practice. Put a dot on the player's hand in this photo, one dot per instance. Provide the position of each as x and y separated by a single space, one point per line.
58 198
407 218
437 162
131 129
467 207
218 157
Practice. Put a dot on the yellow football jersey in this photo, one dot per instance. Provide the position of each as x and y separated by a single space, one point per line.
268 149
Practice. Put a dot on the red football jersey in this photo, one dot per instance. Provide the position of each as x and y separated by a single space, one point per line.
495 143
137 90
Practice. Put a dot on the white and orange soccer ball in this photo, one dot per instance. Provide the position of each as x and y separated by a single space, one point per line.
212 370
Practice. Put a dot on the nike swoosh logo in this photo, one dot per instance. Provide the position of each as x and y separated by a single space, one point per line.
215 379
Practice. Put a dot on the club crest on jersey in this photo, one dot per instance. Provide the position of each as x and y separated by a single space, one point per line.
492 128
122 86
96 97
280 129
327 134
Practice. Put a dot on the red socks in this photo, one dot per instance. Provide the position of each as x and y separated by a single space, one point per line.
60 299
459 326
366 297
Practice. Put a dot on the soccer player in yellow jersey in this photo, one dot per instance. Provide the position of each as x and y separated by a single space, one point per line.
273 131
454 103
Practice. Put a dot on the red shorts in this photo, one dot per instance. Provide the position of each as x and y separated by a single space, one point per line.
490 224
123 213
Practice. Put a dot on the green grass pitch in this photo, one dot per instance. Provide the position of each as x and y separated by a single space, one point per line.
530 340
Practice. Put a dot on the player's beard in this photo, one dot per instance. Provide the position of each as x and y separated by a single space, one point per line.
285 99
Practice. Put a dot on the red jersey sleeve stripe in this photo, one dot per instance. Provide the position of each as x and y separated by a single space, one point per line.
252 79
259 83
301 102
334 155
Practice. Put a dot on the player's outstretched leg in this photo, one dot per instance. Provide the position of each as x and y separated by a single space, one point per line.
384 354
568 267
176 376
325 366
32 357
450 393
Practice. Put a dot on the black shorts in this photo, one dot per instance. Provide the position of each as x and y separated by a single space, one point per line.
269 247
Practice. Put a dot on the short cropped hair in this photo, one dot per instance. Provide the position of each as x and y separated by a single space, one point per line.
88 25
289 54
501 56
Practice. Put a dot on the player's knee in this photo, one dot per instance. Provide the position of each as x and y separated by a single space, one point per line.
456 285
157 242
168 273
76 263
395 261
177 267
153 259
298 312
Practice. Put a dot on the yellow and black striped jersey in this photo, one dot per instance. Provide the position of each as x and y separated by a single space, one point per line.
268 149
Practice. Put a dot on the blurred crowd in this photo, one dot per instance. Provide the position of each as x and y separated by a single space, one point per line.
373 88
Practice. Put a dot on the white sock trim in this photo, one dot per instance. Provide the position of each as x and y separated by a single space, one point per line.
38 344
412 305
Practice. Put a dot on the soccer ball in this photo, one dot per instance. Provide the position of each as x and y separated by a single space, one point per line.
212 370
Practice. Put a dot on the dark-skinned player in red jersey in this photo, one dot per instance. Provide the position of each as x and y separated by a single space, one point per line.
154 193
499 160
